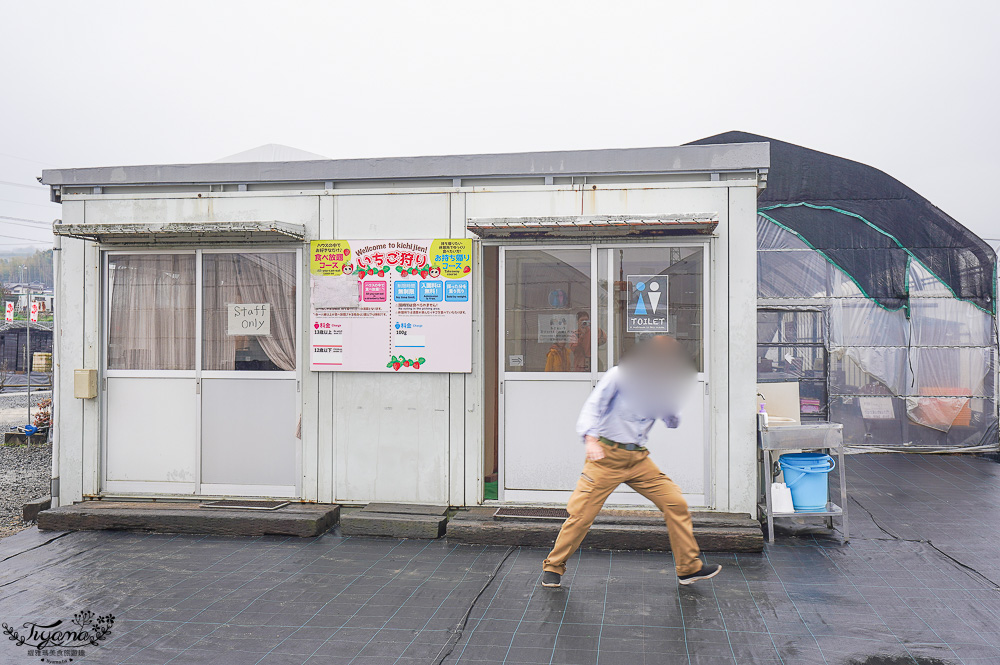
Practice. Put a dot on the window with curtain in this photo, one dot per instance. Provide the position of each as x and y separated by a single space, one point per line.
245 279
152 311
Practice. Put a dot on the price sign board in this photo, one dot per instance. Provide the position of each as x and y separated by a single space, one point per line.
391 305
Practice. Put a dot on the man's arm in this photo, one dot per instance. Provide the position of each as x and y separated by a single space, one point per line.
592 412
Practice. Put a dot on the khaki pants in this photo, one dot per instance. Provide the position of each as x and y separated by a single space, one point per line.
599 479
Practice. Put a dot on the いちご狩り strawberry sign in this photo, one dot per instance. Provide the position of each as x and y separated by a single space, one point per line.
414 301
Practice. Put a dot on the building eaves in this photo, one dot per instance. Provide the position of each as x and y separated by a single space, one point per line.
676 159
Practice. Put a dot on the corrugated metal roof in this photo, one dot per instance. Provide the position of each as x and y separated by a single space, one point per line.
676 159
166 232
593 226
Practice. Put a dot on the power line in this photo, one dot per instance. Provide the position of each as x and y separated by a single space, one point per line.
23 219
30 225
7 154
25 203
18 184
42 242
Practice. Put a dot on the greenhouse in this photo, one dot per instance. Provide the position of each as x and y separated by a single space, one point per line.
879 304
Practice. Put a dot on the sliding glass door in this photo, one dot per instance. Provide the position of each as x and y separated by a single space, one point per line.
201 373
568 314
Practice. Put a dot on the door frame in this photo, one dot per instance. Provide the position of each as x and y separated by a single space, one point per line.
197 374
706 245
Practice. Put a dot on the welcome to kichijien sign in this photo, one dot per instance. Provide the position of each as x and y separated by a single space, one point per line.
391 305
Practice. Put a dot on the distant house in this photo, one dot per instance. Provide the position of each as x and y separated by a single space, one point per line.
21 293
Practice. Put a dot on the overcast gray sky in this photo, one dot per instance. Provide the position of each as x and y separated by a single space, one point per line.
909 87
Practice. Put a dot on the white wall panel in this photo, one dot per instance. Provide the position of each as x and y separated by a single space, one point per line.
70 299
391 437
653 201
522 203
392 216
742 367
226 208
91 324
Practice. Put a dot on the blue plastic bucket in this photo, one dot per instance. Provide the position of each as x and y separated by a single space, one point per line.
806 476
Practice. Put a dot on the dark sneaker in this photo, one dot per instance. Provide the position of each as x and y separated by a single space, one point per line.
708 571
551 579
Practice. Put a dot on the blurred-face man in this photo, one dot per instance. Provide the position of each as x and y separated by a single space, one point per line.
648 385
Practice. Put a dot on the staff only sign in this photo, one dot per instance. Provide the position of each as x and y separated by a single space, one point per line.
647 304
391 305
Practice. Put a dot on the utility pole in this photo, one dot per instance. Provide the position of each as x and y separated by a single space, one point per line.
28 354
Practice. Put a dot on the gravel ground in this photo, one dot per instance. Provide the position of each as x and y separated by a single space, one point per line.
24 476
13 407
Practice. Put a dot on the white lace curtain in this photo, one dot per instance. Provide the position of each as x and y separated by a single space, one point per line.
249 279
152 312
152 325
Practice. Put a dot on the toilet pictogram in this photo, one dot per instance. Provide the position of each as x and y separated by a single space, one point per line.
647 306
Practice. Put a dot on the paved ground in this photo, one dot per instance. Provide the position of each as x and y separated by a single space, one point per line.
888 597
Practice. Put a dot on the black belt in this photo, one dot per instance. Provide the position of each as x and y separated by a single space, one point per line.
624 446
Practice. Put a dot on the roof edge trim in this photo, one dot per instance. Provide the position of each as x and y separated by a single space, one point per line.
696 158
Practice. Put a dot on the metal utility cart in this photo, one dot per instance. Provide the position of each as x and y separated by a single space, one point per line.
821 437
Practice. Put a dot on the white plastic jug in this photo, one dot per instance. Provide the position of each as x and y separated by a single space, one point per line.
781 498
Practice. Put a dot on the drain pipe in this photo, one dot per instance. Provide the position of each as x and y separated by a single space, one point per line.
56 370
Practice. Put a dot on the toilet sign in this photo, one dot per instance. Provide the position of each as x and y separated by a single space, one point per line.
249 319
647 304
8 312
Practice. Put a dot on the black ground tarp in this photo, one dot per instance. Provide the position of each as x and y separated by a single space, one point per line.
869 224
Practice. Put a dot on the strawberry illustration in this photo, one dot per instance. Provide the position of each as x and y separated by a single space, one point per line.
371 271
361 275
435 272
467 270
416 364
406 363
423 274
396 366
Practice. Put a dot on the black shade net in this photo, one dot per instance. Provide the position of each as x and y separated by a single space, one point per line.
869 224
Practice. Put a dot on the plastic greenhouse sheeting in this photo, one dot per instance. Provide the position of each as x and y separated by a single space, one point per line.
923 382
870 225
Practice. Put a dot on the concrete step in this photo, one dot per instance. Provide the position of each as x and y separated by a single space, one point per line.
633 530
395 520
406 508
296 519
30 510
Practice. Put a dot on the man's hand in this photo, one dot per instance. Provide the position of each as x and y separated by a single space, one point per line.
595 451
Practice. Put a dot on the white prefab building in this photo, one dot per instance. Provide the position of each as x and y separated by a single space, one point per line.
205 347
